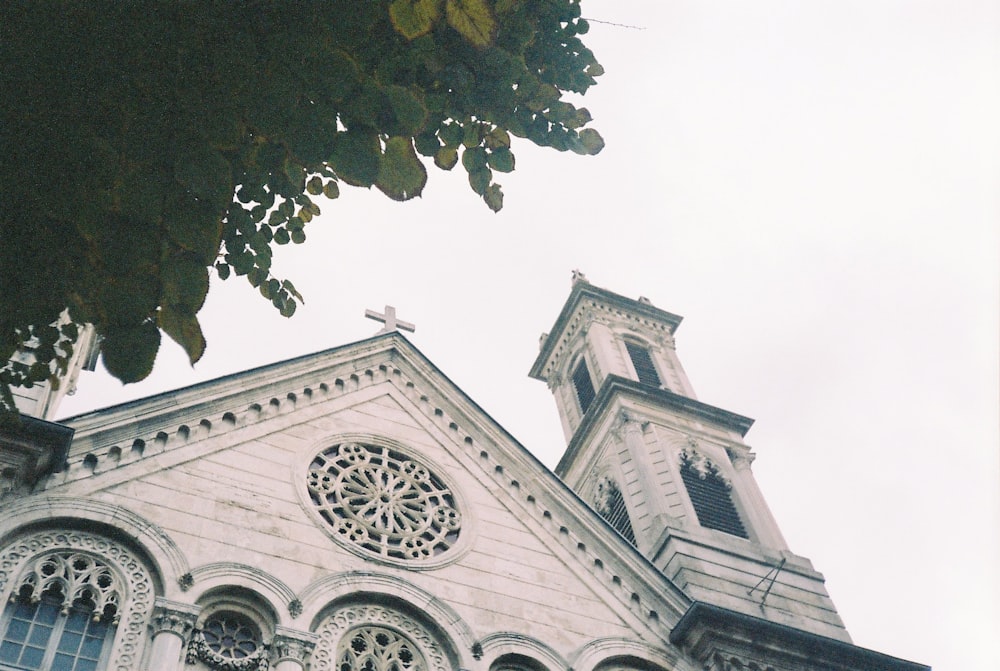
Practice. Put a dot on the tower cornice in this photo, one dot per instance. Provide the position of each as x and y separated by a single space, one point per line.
616 385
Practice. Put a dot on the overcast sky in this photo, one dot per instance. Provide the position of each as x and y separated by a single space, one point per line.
813 186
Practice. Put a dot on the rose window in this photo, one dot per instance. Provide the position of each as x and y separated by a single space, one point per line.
230 642
383 501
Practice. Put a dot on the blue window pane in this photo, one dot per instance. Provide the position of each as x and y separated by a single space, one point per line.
70 642
86 665
9 652
62 663
47 613
24 610
76 621
31 658
92 647
17 631
39 635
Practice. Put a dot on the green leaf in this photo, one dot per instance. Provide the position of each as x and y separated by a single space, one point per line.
480 179
184 282
451 134
184 329
401 175
355 157
128 353
493 197
592 141
410 113
223 270
290 288
474 159
314 185
331 189
413 18
473 20
446 158
501 160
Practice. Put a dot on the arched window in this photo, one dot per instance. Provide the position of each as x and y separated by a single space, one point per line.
710 495
643 364
610 504
63 615
583 385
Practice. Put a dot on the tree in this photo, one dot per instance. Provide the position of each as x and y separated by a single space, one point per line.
145 144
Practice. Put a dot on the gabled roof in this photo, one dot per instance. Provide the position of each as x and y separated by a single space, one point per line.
107 439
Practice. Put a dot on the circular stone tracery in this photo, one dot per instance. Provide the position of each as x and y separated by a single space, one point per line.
381 500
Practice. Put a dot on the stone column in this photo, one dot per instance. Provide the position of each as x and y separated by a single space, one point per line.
756 508
290 648
652 494
170 627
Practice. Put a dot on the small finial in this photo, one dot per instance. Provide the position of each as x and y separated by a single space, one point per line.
578 276
390 321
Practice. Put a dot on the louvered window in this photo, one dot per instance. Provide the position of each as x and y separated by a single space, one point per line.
610 504
643 364
711 496
584 387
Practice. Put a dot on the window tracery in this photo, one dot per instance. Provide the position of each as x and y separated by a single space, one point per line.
376 648
378 499
77 602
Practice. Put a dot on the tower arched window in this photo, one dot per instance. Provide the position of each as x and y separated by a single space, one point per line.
710 495
642 362
583 385
63 615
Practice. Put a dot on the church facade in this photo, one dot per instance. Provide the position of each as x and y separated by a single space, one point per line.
354 510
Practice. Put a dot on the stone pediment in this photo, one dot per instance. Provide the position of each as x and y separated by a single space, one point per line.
130 441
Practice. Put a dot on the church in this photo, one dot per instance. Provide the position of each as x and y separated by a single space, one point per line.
355 510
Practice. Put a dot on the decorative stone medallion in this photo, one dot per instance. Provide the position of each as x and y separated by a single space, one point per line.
380 500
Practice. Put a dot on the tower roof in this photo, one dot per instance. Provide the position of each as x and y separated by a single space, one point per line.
583 293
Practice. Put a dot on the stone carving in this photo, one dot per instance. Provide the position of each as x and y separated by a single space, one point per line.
130 581
175 621
345 622
228 642
378 499
701 464
291 647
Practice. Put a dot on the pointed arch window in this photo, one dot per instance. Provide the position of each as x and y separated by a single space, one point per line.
710 495
610 504
63 615
643 364
583 385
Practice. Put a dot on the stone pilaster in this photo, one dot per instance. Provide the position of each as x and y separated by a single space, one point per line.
291 648
170 626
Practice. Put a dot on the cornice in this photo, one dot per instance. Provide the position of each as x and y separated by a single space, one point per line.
615 385
706 629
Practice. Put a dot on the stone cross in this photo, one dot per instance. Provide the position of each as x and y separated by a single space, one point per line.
390 321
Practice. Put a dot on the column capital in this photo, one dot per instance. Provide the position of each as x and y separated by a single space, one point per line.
174 617
292 645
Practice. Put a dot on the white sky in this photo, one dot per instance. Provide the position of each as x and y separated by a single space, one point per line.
813 186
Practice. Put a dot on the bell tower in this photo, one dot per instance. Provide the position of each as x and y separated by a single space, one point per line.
670 473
